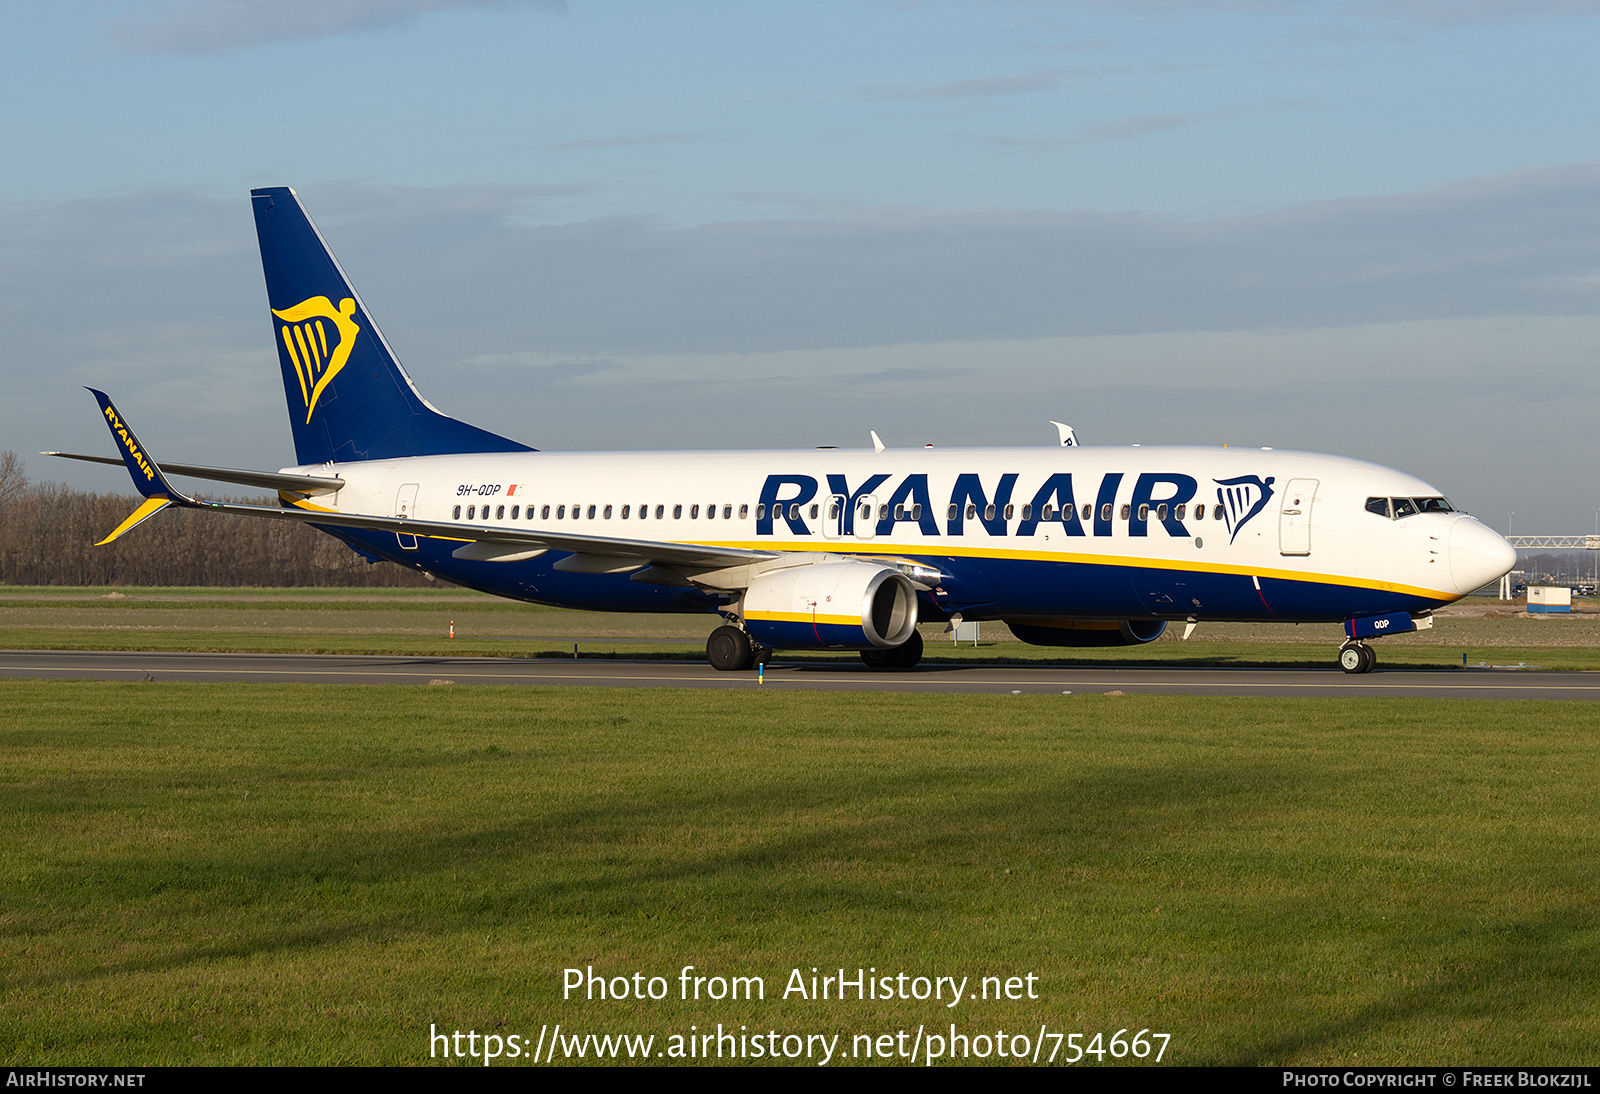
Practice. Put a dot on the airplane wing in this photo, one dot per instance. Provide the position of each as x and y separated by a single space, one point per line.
593 554
310 485
530 541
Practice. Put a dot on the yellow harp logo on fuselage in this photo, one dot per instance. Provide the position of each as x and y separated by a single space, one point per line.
305 331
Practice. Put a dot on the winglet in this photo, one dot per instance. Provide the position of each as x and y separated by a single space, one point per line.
150 508
147 477
146 474
1069 439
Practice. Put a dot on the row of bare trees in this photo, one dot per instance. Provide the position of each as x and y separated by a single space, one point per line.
48 532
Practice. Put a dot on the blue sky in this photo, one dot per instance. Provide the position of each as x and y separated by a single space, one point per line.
1365 228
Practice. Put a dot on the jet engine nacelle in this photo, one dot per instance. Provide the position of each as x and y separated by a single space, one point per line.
831 605
1087 632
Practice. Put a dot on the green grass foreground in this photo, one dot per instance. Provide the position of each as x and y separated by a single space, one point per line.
257 874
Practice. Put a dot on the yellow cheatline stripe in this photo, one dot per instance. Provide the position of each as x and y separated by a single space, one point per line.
805 617
150 507
288 344
933 549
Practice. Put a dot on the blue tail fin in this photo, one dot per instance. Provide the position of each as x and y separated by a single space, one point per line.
349 399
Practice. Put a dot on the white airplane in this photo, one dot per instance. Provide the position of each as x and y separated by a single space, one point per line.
824 548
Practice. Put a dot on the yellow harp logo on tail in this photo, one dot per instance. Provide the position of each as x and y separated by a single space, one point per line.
305 331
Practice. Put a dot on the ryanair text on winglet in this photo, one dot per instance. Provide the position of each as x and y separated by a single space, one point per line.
127 442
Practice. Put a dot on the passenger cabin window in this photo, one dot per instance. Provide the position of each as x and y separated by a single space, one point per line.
694 512
1105 512
591 512
472 512
457 514
744 512
677 512
1216 512
660 511
1144 512
814 511
544 513
1088 511
972 510
761 512
1127 511
561 512
608 512
500 512
727 512
625 510
515 509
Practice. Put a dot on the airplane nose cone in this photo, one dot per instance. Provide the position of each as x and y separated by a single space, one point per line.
1478 555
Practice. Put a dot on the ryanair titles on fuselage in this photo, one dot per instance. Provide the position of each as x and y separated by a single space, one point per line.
1158 497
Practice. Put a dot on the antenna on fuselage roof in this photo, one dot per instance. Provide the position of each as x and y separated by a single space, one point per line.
1069 439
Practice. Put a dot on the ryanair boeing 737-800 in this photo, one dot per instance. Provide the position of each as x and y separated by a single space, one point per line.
827 549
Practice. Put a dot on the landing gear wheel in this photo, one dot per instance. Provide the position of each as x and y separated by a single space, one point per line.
1357 658
728 649
904 656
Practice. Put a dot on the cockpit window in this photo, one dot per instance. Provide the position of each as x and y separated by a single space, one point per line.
1400 508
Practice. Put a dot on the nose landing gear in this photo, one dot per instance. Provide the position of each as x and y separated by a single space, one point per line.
1357 657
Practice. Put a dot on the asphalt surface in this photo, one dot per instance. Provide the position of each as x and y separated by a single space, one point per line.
974 679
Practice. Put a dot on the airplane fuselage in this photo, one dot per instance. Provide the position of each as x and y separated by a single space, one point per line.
1081 532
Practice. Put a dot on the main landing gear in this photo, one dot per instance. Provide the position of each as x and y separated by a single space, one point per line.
904 656
1357 657
729 649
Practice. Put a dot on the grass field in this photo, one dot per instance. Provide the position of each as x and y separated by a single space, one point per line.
417 621
254 874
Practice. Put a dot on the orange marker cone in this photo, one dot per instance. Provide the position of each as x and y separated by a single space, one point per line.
452 628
